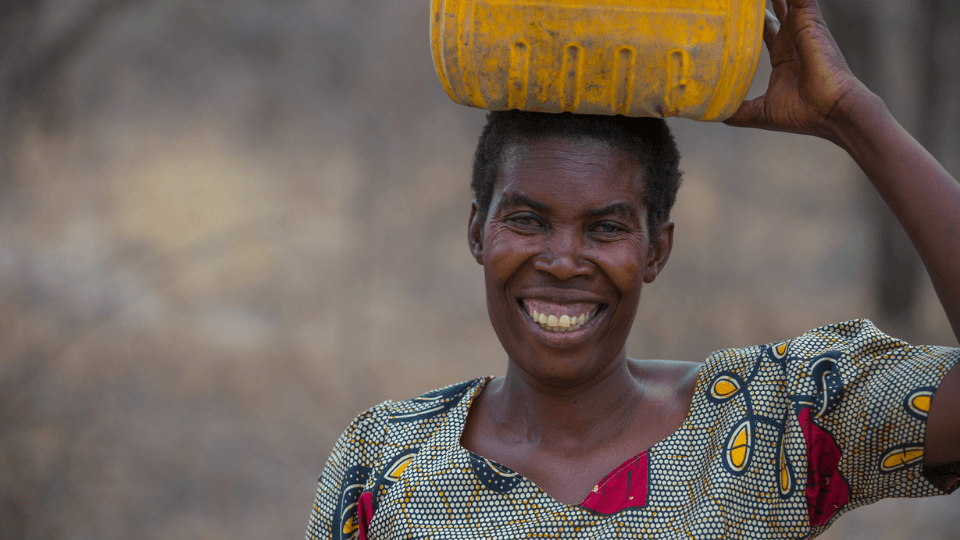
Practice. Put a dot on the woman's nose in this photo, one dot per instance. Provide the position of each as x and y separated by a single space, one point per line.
562 256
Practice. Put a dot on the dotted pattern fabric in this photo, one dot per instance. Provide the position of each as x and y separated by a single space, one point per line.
779 441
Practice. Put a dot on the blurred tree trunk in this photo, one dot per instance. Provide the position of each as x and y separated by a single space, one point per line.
902 50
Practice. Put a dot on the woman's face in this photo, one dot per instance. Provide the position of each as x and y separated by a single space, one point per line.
565 251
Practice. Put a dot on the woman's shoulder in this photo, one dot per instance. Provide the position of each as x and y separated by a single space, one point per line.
433 403
423 407
671 383
377 425
678 374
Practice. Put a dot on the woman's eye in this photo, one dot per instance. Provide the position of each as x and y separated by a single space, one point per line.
526 221
607 228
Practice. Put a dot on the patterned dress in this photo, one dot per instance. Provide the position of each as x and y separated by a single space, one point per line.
779 440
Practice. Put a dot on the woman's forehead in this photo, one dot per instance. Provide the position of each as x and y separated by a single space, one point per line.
582 166
578 156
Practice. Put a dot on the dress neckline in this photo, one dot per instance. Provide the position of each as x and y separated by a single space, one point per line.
481 383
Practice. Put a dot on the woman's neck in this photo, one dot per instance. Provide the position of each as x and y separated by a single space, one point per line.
567 420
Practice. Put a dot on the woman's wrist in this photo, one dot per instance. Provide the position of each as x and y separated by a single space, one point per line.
857 119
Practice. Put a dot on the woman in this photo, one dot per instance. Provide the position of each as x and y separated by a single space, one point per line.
577 440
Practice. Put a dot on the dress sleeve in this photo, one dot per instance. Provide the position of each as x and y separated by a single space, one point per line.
355 455
861 399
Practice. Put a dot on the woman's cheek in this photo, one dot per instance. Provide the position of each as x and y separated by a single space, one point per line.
626 272
504 253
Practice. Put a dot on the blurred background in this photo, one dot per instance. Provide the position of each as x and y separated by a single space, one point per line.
229 226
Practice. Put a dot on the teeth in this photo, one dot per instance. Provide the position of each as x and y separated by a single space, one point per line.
562 323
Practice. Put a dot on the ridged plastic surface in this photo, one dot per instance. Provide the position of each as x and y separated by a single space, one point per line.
690 58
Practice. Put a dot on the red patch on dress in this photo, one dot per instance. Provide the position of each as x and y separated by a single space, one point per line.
624 487
827 492
365 513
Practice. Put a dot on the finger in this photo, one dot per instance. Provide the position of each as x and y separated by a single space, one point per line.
749 114
808 5
780 8
770 28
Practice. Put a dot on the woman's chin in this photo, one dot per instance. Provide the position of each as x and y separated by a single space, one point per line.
559 374
566 359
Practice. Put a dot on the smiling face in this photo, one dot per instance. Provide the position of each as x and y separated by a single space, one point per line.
565 251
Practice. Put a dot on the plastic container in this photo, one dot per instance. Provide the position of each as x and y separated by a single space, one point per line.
690 58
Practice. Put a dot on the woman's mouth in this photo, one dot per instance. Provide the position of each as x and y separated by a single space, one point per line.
560 318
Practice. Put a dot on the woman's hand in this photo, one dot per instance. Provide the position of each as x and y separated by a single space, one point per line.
811 87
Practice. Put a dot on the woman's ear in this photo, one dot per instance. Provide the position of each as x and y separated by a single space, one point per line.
661 243
475 234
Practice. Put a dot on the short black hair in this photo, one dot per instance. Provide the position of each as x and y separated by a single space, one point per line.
648 139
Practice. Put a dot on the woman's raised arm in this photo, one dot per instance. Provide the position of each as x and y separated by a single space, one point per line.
812 91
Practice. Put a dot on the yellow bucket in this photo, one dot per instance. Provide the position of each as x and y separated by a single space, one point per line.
689 58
